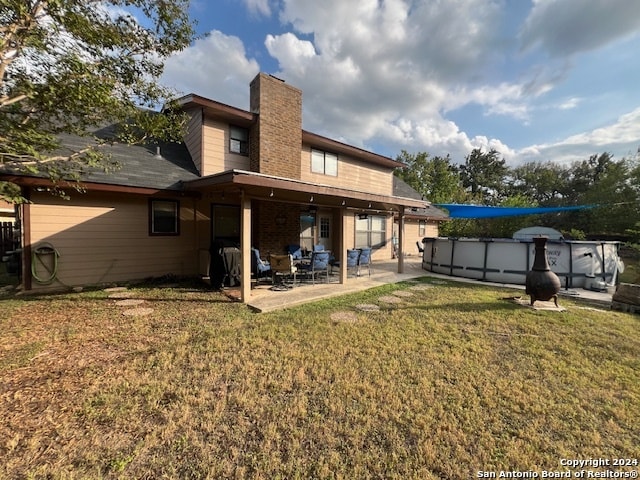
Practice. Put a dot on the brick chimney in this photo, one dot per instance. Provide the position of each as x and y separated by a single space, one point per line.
276 140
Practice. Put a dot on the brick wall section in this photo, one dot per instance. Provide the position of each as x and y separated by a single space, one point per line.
276 140
268 236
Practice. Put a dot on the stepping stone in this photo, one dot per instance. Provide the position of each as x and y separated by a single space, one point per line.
538 305
121 294
129 302
421 287
344 317
390 299
403 293
368 307
137 312
115 289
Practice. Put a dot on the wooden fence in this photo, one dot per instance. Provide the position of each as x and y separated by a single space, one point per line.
6 237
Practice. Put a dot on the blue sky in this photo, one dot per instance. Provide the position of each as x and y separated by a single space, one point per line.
543 80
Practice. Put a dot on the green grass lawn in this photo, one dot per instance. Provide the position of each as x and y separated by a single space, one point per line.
453 380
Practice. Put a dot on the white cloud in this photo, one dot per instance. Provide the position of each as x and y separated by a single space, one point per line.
390 69
621 137
389 72
625 130
216 67
570 103
292 53
258 7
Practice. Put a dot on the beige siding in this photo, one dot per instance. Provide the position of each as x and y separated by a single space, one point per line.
352 174
193 138
432 230
203 234
217 157
412 234
105 238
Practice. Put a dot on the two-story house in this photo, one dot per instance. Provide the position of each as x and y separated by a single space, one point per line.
252 178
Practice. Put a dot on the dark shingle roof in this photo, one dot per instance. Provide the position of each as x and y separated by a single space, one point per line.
403 189
140 165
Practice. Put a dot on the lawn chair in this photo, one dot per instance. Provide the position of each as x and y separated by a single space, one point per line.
295 251
319 264
364 260
353 255
259 268
282 268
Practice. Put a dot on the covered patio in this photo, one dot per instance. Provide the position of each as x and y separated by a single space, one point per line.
263 299
256 193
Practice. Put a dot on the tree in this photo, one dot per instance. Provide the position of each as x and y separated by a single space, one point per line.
68 67
612 185
436 178
483 173
543 183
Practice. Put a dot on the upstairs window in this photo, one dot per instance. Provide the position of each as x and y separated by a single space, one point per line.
324 163
239 140
164 217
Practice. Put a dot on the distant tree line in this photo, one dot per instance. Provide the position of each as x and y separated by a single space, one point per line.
485 179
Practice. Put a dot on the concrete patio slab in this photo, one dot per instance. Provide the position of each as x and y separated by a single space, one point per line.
383 272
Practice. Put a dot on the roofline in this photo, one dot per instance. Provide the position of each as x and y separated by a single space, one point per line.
422 216
243 177
217 109
245 118
324 142
34 182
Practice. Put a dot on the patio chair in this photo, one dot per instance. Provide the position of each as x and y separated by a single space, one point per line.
282 268
319 264
353 255
295 251
364 260
318 248
259 268
420 248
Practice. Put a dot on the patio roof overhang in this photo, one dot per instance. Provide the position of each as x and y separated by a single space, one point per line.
267 187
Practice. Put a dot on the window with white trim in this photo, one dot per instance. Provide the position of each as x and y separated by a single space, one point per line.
422 228
324 162
371 231
238 140
324 227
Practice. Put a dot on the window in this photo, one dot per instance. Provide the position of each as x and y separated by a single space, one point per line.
324 227
324 162
371 231
239 140
225 223
422 226
164 217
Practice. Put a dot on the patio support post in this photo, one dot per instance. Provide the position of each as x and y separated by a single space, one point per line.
245 247
343 245
401 240
25 219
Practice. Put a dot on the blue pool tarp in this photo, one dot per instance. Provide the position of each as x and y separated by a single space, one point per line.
481 211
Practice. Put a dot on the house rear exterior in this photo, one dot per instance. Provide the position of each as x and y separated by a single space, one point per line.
245 178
